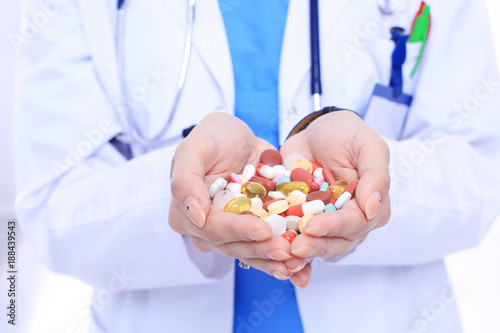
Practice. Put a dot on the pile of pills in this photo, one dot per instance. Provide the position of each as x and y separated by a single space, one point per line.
285 195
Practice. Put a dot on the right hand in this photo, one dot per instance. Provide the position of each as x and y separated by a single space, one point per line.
218 145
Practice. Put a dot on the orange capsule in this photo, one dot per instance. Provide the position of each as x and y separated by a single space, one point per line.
337 188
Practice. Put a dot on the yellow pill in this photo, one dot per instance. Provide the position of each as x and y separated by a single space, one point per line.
303 164
259 211
238 205
280 186
253 190
277 207
301 186
335 189
293 200
303 221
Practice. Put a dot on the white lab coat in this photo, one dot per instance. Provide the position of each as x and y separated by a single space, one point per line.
91 214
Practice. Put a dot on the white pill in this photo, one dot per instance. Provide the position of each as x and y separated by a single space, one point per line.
276 195
313 207
267 172
222 198
279 169
235 188
292 222
218 185
300 194
318 172
240 195
277 223
287 173
248 171
257 201
342 200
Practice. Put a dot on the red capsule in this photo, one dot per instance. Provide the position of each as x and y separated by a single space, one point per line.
351 187
314 165
328 176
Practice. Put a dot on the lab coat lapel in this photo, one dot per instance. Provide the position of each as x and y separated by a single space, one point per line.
295 55
98 24
210 40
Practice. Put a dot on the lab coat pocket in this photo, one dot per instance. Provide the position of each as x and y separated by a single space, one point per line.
385 112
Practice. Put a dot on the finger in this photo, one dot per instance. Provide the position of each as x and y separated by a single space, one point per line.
276 248
274 268
312 247
372 164
296 264
223 227
302 277
188 172
349 222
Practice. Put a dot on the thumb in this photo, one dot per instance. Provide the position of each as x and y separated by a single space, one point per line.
187 182
374 182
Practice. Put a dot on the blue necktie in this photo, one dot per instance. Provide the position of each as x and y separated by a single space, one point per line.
254 30
263 303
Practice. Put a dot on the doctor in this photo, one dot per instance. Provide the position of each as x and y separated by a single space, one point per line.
92 213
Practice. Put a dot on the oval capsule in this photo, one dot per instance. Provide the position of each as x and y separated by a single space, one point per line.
337 188
253 190
238 205
300 186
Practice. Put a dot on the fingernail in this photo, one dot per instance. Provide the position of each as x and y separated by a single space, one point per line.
317 231
278 255
298 268
305 286
373 205
260 235
304 251
194 211
280 276
302 287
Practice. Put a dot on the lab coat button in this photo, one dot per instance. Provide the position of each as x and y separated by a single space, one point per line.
220 109
291 112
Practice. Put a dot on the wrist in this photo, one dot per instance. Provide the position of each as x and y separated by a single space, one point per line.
304 122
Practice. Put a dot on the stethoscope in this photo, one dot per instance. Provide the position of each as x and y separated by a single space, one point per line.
135 135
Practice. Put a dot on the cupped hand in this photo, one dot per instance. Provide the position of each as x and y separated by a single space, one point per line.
219 145
343 143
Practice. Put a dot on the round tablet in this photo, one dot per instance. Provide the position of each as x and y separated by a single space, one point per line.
277 223
266 204
277 207
271 157
222 198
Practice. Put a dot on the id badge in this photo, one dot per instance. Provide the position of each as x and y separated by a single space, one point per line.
387 113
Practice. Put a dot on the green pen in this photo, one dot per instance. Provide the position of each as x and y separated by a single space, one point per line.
420 32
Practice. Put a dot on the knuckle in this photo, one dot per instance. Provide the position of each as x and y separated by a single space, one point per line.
199 244
209 235
358 230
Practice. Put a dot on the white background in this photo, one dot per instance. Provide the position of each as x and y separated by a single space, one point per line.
53 303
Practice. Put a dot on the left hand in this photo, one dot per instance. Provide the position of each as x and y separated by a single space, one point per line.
351 150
